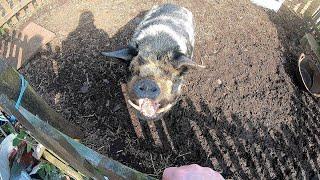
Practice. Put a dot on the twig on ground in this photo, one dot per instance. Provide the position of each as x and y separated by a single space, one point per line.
154 169
88 116
180 155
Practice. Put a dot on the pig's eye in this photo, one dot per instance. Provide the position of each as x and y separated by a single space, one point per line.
183 71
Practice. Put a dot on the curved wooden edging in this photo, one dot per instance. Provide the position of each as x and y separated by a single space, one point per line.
78 156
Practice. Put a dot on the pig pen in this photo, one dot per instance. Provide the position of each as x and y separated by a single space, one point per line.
247 115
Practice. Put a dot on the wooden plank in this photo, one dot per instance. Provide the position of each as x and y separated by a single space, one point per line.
306 7
60 165
14 19
10 86
6 26
13 11
80 157
15 2
30 7
316 17
21 13
6 6
39 2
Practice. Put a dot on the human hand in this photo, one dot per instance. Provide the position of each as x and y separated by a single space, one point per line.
191 172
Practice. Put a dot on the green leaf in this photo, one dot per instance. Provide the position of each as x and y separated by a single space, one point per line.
42 173
47 168
16 141
22 134
29 147
48 171
8 129
2 31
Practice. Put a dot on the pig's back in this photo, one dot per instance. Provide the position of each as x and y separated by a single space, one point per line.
165 28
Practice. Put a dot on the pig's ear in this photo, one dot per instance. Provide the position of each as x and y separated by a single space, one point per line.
126 54
183 62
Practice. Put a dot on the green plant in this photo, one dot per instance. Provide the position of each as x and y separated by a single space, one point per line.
48 171
2 31
8 128
23 136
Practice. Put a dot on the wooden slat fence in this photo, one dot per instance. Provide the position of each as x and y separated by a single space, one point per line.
306 8
13 10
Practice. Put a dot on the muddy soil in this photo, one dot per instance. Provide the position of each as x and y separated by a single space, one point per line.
247 115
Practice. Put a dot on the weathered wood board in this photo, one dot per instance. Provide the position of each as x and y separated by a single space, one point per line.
80 157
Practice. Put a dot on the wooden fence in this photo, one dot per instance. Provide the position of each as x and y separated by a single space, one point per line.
309 9
13 10
54 132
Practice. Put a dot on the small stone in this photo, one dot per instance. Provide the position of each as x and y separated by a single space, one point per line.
107 103
116 108
57 49
219 81
106 81
96 54
38 152
85 88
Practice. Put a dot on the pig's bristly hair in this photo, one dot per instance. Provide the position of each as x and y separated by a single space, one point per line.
151 36
160 68
165 28
165 32
161 71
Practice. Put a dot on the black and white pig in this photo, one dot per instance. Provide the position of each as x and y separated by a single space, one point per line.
160 52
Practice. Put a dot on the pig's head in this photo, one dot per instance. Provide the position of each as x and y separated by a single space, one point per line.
155 85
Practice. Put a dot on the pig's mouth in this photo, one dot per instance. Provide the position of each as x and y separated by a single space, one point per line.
149 108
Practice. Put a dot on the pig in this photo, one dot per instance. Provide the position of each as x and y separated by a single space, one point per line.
160 54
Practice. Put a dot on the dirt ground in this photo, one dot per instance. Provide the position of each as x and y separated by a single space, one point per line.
259 123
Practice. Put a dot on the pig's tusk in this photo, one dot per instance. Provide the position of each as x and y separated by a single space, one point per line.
164 109
134 105
201 66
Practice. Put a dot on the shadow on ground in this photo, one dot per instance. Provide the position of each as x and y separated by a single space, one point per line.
303 135
85 87
16 47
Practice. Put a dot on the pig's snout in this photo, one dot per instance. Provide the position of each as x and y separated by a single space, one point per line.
146 88
147 93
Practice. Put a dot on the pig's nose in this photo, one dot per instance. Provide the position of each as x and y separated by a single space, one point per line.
146 88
